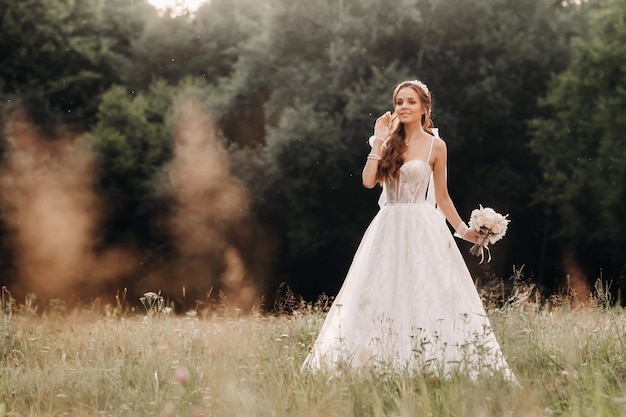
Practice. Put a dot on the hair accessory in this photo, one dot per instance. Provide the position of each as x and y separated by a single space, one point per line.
421 85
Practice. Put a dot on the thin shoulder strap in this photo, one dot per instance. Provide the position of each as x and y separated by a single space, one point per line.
430 192
430 151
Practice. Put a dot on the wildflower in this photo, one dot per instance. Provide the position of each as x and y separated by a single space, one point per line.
181 375
564 374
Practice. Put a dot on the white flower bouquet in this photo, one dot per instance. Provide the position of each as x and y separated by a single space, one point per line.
491 225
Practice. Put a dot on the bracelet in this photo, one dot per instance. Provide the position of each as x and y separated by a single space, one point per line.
462 229
373 156
373 140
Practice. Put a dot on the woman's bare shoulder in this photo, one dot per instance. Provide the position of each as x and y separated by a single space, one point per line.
439 145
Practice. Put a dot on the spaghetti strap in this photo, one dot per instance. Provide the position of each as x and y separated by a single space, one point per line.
431 150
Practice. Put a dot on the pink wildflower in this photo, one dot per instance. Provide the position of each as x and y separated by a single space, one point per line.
181 375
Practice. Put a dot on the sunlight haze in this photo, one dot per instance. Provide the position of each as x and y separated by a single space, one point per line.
177 6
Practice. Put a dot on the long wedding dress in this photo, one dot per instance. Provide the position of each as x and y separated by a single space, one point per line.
408 301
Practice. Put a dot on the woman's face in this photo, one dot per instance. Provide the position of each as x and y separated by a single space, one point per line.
408 107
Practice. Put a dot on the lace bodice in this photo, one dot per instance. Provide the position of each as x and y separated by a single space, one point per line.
411 184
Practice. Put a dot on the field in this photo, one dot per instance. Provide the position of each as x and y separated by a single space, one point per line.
144 361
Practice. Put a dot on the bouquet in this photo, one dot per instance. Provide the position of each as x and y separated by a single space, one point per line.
491 225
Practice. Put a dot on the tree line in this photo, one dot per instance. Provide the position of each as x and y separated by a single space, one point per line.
529 96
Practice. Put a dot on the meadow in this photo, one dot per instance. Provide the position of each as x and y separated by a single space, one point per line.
138 358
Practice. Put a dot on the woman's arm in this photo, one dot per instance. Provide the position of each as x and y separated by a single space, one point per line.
371 166
381 132
444 202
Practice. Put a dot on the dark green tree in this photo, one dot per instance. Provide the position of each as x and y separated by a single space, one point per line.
131 140
492 64
581 146
60 56
204 44
487 63
296 78
295 88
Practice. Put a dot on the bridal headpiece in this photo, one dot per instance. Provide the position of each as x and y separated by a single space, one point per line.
421 85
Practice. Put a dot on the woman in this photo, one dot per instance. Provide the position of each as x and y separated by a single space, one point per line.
408 300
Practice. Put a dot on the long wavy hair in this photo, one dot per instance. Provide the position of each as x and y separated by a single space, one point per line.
395 145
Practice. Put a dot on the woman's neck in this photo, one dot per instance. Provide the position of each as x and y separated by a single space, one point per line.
413 131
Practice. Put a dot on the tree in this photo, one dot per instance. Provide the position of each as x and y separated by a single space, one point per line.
60 56
311 144
295 88
338 61
131 140
581 146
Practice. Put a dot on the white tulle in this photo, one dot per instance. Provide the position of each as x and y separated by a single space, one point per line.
408 300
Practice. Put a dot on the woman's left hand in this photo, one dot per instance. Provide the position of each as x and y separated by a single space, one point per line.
475 237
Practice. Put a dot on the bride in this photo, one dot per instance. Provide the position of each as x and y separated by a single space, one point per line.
408 300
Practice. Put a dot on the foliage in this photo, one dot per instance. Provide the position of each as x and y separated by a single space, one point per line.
296 87
580 141
205 45
132 142
490 63
486 64
62 55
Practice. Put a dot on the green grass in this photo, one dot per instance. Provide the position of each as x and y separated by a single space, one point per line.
102 361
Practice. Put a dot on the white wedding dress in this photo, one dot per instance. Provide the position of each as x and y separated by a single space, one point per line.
408 301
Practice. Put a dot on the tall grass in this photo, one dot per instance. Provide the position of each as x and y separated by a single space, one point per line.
107 361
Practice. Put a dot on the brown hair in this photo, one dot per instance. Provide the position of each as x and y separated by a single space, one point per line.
395 145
